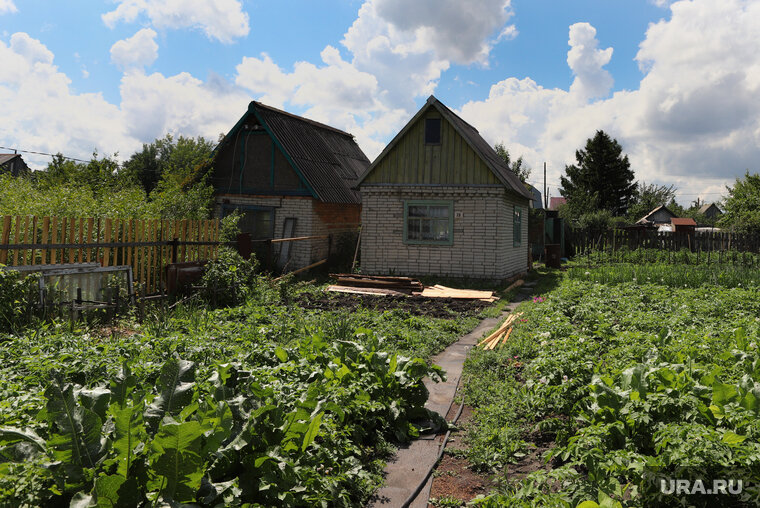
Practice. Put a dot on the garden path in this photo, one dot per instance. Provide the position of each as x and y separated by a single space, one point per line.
408 468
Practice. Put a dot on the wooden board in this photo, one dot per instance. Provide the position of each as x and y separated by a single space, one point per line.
366 291
439 291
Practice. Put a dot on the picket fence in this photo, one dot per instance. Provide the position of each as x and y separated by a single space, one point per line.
147 245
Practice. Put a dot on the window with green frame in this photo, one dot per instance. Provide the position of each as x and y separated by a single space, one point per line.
429 222
517 227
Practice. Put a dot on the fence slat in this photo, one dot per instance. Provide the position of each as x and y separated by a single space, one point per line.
5 239
16 236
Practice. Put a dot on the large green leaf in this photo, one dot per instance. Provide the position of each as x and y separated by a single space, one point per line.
312 431
176 457
122 386
129 432
17 445
77 439
176 384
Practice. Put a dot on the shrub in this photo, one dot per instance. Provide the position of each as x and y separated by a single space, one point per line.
16 299
229 278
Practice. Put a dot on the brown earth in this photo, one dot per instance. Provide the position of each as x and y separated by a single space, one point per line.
416 305
454 478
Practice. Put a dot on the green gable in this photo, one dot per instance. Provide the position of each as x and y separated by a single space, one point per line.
411 161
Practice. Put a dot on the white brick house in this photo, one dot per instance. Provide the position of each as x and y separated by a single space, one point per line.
439 201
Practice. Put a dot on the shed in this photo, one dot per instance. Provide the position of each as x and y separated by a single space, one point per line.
658 216
683 225
290 177
13 163
556 202
439 201
710 210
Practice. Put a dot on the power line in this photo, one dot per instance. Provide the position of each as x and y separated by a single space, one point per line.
42 153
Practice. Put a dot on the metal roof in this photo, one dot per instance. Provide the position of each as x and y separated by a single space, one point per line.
473 138
7 157
707 206
328 159
683 221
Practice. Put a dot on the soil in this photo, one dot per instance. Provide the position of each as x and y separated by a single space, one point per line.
454 478
416 305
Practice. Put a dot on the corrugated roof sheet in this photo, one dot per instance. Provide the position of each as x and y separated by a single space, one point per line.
6 157
329 159
683 221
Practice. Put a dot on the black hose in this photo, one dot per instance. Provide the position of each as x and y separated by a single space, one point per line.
416 492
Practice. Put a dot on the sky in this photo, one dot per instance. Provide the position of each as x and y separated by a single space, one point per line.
675 82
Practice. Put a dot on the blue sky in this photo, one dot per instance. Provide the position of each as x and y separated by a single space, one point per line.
675 82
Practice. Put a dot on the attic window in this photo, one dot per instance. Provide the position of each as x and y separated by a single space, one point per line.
432 131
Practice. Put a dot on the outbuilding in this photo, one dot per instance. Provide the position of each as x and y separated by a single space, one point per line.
439 201
290 177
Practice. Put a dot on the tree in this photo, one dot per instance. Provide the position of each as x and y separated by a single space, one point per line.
742 206
601 180
518 167
166 156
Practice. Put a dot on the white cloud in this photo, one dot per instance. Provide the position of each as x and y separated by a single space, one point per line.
335 93
138 51
42 113
154 105
223 20
7 6
407 46
587 62
694 121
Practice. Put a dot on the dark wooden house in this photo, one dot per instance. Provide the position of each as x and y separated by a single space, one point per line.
13 163
290 177
439 201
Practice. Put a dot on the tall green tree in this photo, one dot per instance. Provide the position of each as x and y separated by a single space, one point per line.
167 157
602 179
518 167
742 206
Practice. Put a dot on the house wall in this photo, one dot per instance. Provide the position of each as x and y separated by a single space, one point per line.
661 216
313 218
482 245
284 207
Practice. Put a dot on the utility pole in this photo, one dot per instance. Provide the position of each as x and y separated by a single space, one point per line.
546 199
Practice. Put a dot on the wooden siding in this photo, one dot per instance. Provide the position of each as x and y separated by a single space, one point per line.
452 162
267 170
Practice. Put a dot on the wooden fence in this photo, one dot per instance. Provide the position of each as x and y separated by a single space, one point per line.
708 246
145 245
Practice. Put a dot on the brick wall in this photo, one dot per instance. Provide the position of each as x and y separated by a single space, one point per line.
482 245
301 208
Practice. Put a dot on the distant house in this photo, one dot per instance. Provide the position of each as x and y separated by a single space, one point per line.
657 217
710 211
13 163
537 202
555 203
683 225
290 177
439 201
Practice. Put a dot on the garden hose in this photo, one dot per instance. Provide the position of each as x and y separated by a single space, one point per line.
424 480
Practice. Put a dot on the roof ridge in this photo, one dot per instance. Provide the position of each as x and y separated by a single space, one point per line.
301 118
468 124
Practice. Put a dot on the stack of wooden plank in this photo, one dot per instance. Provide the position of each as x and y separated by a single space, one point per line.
375 284
500 335
439 291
